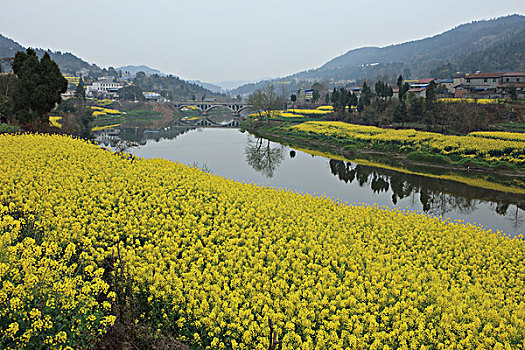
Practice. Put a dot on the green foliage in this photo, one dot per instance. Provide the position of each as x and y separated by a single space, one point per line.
6 128
512 92
38 88
80 92
426 157
315 96
132 93
383 90
170 86
430 95
400 113
366 94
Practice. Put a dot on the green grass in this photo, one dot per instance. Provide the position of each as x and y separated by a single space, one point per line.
510 127
7 128
422 156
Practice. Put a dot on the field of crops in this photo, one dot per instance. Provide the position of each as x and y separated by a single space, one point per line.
208 260
483 101
296 113
502 146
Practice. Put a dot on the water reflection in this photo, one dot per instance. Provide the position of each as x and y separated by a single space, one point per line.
264 156
139 135
436 196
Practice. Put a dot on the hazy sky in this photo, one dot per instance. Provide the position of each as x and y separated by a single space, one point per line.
215 40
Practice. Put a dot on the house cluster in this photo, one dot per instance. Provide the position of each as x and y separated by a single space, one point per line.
490 85
106 87
477 85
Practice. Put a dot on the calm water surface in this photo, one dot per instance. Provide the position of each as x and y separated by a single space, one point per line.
244 157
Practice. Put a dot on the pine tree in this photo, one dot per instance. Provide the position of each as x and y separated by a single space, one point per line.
38 88
79 91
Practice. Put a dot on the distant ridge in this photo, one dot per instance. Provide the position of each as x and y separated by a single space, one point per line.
68 63
414 58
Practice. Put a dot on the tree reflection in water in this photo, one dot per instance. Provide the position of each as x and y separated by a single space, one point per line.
263 157
436 196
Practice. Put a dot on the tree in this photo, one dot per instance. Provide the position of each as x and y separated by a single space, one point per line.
353 100
315 96
132 93
430 95
293 98
266 101
366 96
79 91
512 92
38 88
403 88
400 113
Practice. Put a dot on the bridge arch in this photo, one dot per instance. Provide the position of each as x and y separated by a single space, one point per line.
204 107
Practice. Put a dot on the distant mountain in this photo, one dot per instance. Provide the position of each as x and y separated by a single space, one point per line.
223 86
412 59
68 63
212 87
229 85
133 70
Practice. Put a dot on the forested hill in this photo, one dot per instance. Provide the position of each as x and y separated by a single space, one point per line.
460 40
507 56
420 57
67 62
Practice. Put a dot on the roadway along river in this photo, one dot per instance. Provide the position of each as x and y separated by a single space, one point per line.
243 157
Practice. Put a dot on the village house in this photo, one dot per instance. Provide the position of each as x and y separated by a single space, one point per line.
154 97
419 87
516 79
482 85
104 87
490 85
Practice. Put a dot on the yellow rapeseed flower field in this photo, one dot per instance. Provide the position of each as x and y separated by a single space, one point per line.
509 147
53 120
473 100
211 259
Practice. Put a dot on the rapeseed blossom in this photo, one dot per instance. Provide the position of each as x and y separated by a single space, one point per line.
509 147
211 259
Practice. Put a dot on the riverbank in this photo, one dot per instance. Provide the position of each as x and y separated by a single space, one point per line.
406 147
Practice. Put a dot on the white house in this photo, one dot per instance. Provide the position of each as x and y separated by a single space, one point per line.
105 86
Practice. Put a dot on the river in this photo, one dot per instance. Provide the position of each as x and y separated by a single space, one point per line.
243 157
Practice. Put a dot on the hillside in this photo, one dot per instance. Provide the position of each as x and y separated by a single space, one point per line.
172 87
460 40
67 62
418 58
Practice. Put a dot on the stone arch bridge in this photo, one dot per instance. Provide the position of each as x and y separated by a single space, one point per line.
205 107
